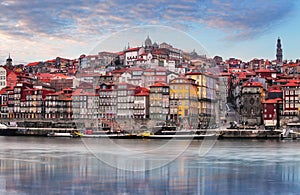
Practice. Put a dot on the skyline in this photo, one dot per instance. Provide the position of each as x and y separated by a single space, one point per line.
42 30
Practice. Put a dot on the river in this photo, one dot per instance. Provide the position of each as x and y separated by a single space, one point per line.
42 165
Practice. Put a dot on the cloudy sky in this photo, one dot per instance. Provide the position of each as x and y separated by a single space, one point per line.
37 30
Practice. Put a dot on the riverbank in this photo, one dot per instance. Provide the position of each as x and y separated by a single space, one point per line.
192 134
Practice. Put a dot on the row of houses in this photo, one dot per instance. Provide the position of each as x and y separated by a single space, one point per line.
183 100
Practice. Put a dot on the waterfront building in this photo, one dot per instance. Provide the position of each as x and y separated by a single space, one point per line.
224 82
58 106
200 80
2 77
85 109
185 90
107 100
125 100
14 98
271 112
208 105
251 103
141 105
159 101
32 103
291 98
212 101
4 103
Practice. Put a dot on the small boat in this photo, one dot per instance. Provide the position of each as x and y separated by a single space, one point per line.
52 134
182 136
106 136
2 126
169 132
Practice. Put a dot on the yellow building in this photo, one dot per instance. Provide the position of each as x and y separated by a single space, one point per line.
184 93
207 104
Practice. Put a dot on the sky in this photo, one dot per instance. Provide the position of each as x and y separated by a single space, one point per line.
37 30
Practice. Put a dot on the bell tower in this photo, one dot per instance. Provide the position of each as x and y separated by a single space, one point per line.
279 51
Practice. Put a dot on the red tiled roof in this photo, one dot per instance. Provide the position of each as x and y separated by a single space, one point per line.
252 84
267 62
132 49
291 65
51 61
272 101
292 84
66 99
159 85
142 93
3 91
275 90
67 89
265 70
33 64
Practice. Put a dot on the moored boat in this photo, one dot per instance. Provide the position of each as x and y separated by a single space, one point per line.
53 134
183 136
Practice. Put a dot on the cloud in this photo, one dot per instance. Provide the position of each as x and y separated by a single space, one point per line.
88 20
76 19
246 19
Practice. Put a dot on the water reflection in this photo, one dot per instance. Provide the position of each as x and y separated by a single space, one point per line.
227 169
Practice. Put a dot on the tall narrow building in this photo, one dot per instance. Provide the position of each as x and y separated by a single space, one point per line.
279 51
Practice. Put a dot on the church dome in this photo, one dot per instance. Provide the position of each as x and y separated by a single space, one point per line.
148 42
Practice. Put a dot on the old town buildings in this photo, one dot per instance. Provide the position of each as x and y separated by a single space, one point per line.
152 82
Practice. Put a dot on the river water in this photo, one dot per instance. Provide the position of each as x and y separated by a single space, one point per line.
35 165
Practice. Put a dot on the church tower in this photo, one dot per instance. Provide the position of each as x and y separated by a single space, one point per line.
279 51
8 61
